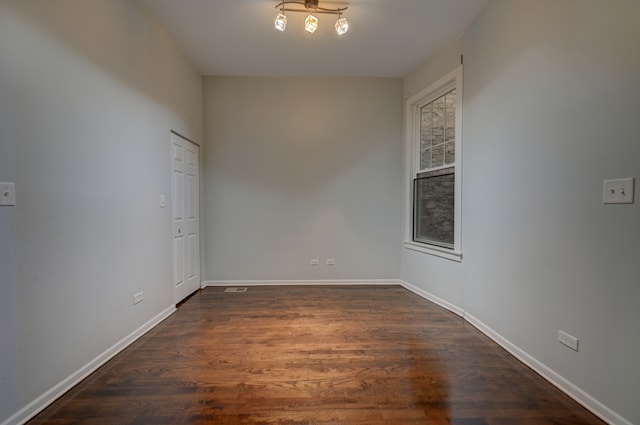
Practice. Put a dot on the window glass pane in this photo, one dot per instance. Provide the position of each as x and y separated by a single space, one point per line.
438 120
426 135
438 109
450 115
437 156
425 159
450 152
426 116
434 208
437 132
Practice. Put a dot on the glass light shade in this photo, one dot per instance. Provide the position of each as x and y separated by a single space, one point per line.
342 26
311 24
281 21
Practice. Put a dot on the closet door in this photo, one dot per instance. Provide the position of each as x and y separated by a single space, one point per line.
185 210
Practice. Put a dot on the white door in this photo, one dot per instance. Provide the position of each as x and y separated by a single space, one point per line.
184 215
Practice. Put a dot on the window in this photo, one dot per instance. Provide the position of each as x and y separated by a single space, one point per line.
433 142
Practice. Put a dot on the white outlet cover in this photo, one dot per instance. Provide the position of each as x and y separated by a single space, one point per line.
618 191
568 340
137 298
7 194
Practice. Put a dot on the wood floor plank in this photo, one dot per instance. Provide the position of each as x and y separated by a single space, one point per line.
314 355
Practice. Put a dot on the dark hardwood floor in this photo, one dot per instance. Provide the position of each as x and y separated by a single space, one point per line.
314 355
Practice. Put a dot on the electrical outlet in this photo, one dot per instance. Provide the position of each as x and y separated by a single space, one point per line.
568 340
7 194
137 298
314 262
618 191
331 261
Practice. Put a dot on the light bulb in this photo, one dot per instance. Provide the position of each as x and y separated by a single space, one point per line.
281 21
311 24
342 26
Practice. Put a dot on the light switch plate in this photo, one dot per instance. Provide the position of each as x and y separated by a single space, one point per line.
7 194
618 191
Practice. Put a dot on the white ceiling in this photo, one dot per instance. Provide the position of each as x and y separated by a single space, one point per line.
387 38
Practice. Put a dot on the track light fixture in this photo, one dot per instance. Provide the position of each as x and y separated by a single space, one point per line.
311 24
342 25
281 21
310 7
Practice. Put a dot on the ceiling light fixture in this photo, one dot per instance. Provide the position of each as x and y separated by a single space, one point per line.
281 21
342 25
311 24
310 7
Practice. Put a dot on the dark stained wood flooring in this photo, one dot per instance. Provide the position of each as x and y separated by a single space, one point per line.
314 355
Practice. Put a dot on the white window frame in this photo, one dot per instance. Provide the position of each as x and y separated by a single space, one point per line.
453 80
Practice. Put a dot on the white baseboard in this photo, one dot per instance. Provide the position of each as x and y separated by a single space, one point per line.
40 403
207 283
586 400
436 300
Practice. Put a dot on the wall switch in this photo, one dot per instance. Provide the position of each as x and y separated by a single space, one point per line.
7 194
568 340
137 298
163 201
331 261
314 262
618 191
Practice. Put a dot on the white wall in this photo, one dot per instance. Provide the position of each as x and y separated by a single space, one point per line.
551 98
89 90
301 168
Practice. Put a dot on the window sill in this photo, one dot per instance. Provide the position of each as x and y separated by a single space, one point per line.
449 254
